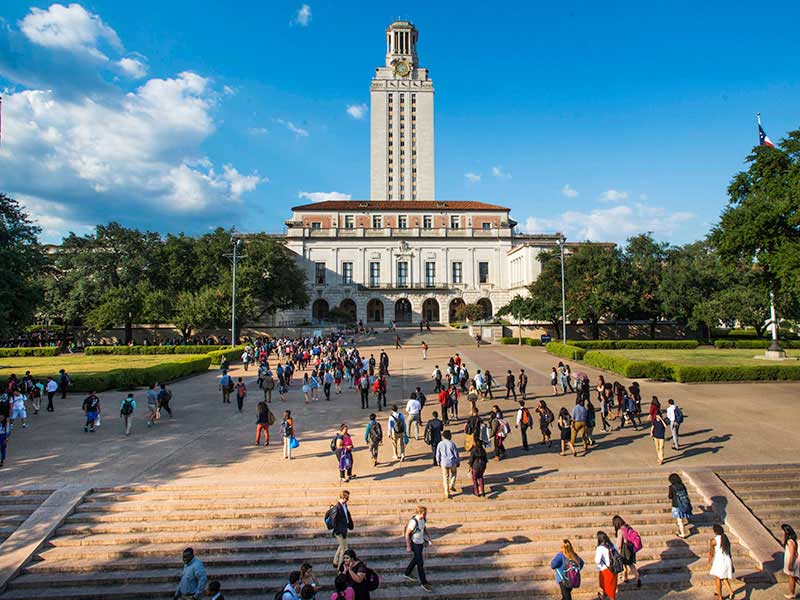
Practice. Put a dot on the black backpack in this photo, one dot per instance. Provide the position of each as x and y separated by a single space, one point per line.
399 425
127 407
375 433
333 443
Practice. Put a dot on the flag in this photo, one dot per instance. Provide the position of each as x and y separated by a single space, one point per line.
763 138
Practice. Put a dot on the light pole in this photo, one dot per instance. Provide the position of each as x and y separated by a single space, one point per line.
561 243
235 241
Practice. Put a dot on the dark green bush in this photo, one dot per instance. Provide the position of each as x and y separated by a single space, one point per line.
525 341
230 354
130 377
754 344
46 351
125 350
636 344
565 350
766 372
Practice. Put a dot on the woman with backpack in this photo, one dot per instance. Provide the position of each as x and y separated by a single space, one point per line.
629 543
565 427
567 565
720 563
681 505
604 557
355 572
287 427
500 429
477 467
545 420
791 560
344 453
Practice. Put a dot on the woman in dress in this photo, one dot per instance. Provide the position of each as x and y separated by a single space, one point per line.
720 563
344 452
554 381
681 506
791 561
565 427
607 579
306 388
545 419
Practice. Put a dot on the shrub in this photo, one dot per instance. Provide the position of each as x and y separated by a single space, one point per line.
46 351
722 344
565 350
125 350
531 342
526 341
127 378
637 344
230 354
766 372
754 344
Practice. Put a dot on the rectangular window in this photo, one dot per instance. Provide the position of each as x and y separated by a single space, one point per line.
454 222
427 222
349 221
319 273
374 274
316 225
457 272
430 274
486 226
347 272
377 220
402 274
483 272
402 221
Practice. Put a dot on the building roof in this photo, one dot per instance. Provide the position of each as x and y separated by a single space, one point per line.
406 205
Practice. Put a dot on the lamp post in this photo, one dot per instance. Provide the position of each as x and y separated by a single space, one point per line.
235 242
561 243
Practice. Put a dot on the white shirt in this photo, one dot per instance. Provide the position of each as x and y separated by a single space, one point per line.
52 386
418 537
478 381
602 558
413 407
671 413
18 403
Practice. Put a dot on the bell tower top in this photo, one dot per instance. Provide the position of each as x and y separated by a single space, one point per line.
401 44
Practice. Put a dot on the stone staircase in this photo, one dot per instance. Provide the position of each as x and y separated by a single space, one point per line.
126 542
771 493
16 506
410 337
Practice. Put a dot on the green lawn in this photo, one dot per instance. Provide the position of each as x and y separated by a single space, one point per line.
702 356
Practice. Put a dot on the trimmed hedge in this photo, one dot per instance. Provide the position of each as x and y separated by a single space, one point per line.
46 351
565 350
767 372
230 354
127 378
754 344
637 344
649 369
121 350
526 341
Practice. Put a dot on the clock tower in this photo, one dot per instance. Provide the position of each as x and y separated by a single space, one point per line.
401 121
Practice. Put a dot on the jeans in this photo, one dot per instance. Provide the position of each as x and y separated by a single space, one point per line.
239 402
675 429
523 429
326 389
373 450
3 445
417 561
509 391
50 401
448 479
365 399
566 593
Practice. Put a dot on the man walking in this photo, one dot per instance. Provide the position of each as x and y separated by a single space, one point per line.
363 388
510 389
579 427
164 397
433 434
447 457
126 409
91 409
193 578
524 421
226 386
416 536
342 523
51 388
63 383
373 436
413 408
523 384
675 418
437 379
397 433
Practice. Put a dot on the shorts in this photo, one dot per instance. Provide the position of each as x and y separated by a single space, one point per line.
19 413
677 513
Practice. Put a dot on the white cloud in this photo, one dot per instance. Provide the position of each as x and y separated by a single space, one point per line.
357 111
258 131
53 217
238 183
228 90
298 131
569 192
498 172
303 16
70 28
472 177
133 68
614 224
323 196
614 196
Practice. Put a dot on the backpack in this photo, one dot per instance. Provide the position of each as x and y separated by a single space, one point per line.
549 417
634 538
503 428
375 433
615 560
572 575
269 383
399 425
682 498
376 387
330 516
526 417
333 442
372 579
678 415
127 407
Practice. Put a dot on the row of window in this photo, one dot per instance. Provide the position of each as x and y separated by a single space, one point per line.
456 273
402 222
390 184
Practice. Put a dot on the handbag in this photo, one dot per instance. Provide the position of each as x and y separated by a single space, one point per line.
293 443
270 417
405 439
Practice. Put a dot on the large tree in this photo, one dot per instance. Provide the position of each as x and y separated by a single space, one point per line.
643 265
22 258
544 302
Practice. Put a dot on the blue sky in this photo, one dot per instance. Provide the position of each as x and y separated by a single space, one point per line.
600 120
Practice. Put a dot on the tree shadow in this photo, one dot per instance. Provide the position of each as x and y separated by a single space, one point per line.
675 559
514 478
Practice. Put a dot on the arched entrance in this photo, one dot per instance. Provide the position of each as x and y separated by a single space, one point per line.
320 310
349 306
375 311
402 311
430 310
455 303
486 304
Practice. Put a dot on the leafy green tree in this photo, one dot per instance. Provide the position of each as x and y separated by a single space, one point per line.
207 308
21 259
519 308
643 264
470 312
545 293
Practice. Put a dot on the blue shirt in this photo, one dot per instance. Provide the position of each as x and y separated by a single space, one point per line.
578 413
193 579
447 454
559 564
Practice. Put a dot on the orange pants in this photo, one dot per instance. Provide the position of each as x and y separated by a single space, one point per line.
259 428
608 583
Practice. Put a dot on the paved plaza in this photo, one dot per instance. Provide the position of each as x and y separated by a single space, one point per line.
210 445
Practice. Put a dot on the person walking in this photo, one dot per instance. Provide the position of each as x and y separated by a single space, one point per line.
567 566
477 467
433 434
681 504
791 559
397 433
51 388
546 418
18 409
126 408
306 388
448 459
262 422
565 429
607 578
225 386
193 578
579 427
522 382
500 429
554 381
424 348
91 410
373 436
5 433
268 385
152 404
327 382
416 536
287 428
675 418
437 379
591 420
510 385
524 421
342 523
397 344
488 382
241 392
629 543
63 383
658 430
381 389
363 388
720 563
344 453
164 398
413 409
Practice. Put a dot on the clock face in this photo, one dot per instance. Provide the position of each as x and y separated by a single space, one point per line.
402 68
